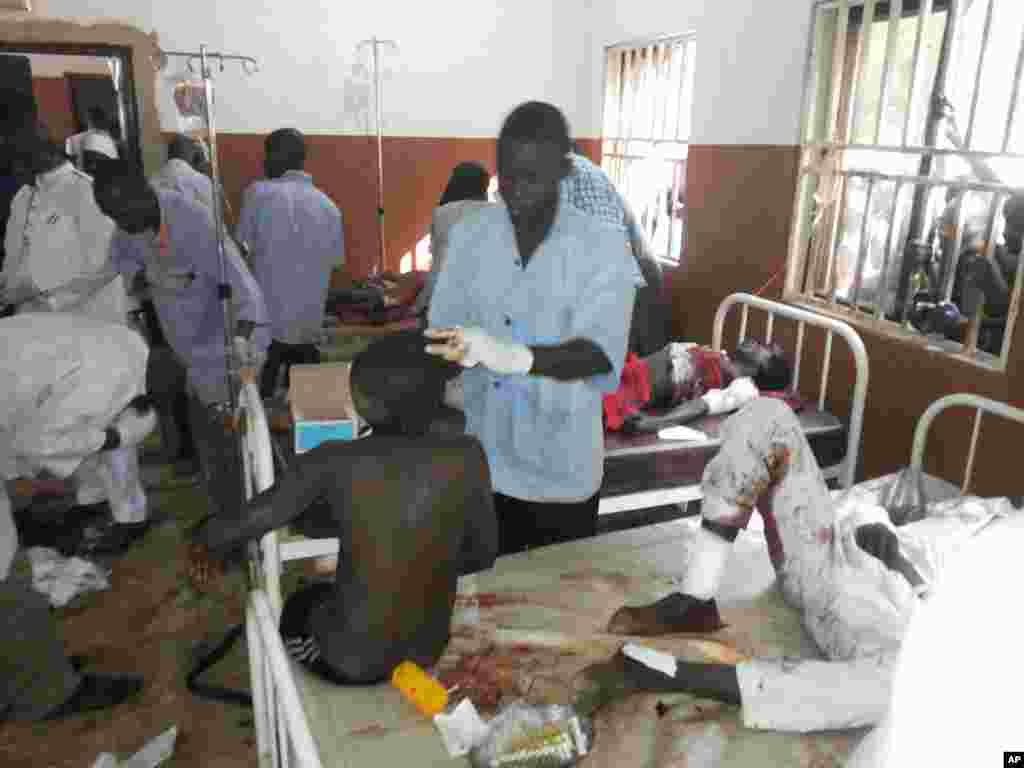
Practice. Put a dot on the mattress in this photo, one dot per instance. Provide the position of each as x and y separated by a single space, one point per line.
636 463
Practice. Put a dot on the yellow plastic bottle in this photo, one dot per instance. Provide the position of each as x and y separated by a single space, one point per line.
425 692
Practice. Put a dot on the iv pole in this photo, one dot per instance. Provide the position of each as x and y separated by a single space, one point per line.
224 288
220 649
376 43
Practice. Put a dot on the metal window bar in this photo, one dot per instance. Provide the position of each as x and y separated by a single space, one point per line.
857 93
976 92
891 45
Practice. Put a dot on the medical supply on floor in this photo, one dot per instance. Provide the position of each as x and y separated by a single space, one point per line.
422 690
461 729
523 736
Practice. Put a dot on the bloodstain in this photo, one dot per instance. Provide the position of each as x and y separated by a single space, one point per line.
369 730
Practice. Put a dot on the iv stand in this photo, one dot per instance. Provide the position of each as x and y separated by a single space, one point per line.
211 656
376 43
224 287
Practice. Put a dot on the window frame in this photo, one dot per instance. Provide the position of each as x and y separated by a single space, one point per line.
611 144
821 92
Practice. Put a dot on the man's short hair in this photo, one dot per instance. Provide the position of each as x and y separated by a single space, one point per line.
288 146
182 147
120 187
536 121
401 383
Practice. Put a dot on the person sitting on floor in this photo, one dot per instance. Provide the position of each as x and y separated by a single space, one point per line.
72 389
411 506
295 238
855 578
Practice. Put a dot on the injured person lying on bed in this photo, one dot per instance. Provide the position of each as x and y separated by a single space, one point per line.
683 381
411 506
854 577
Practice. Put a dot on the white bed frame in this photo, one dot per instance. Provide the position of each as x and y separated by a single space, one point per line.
282 730
283 736
843 472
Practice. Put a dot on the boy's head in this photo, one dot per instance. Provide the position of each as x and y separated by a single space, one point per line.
397 387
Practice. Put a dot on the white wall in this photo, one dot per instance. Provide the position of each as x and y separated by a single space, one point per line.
750 62
460 66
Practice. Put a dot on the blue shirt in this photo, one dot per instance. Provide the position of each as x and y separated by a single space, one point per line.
179 175
295 238
183 274
543 438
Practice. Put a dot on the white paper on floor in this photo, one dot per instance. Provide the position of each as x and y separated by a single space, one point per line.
63 578
155 752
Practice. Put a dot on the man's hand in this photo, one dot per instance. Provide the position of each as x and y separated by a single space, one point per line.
472 346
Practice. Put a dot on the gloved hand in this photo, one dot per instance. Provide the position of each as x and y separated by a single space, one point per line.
736 395
470 346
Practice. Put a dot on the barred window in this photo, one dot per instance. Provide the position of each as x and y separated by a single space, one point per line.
909 211
646 134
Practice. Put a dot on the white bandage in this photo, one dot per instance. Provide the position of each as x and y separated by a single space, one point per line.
736 395
704 571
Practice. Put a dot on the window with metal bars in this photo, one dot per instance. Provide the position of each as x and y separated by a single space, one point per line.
646 134
910 206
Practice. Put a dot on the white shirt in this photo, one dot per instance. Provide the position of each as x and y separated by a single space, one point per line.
56 233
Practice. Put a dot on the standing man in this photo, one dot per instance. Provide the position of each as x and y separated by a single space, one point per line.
535 302
295 237
173 238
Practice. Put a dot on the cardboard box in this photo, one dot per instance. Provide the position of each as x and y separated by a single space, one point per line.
321 405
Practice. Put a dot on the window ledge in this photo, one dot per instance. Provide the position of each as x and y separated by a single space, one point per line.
949 350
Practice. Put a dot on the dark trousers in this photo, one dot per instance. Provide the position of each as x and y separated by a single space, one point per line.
35 674
526 524
166 381
220 458
280 354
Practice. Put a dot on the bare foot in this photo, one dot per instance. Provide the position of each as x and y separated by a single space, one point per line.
676 613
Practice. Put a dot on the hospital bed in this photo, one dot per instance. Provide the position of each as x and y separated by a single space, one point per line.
643 471
541 615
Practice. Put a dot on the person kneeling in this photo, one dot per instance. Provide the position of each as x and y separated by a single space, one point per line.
412 509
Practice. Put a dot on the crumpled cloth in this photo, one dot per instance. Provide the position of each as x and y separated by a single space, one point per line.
62 579
633 394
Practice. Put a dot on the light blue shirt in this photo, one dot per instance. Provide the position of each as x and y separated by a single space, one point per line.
295 237
182 177
544 439
183 282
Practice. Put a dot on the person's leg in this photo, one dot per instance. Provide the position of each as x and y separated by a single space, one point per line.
219 458
558 522
765 462
35 674
297 632
271 368
516 524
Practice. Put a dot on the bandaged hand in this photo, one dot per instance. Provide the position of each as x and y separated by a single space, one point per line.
472 346
736 395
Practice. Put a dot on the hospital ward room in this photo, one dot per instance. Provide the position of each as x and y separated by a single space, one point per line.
597 383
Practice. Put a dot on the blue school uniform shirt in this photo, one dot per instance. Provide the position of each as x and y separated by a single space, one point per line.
544 438
183 273
295 237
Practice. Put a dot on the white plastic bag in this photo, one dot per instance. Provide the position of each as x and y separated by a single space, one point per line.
524 736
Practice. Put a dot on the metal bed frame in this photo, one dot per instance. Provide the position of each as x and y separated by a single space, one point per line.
843 472
282 728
